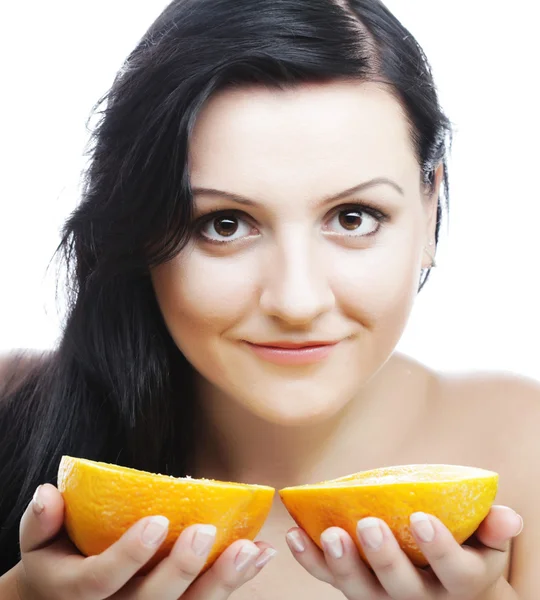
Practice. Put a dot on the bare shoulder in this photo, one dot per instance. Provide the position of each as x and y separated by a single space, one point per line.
501 413
493 408
498 415
493 398
488 420
17 364
510 406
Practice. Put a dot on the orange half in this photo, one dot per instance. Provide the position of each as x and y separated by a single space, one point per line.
102 501
461 497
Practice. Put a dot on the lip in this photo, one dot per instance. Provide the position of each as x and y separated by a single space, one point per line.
291 353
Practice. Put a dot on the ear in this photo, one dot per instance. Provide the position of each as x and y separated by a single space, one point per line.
432 201
431 204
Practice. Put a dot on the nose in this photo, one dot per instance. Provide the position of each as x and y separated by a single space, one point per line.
296 289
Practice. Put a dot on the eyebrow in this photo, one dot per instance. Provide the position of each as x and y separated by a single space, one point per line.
326 200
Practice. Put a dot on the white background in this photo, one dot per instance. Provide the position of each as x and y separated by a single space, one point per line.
480 309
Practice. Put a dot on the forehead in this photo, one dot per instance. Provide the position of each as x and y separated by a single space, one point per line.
310 139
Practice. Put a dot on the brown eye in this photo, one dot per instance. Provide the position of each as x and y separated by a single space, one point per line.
353 222
350 219
225 226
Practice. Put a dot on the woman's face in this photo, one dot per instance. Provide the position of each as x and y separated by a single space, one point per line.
308 247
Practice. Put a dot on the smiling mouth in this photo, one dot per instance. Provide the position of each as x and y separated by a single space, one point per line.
290 353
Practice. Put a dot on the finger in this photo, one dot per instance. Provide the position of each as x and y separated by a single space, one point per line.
102 575
42 519
239 563
172 577
309 555
395 572
43 547
350 573
461 570
499 527
266 554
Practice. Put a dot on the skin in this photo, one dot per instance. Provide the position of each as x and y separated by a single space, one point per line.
292 272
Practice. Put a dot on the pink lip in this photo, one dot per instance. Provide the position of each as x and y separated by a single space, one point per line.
293 354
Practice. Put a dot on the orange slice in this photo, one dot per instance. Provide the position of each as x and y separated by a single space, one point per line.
460 497
102 501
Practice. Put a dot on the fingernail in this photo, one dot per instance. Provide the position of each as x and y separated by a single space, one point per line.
519 518
265 557
203 540
370 533
245 557
155 531
37 501
521 524
294 539
332 544
422 527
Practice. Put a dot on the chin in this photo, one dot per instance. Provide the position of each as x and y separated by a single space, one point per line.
297 408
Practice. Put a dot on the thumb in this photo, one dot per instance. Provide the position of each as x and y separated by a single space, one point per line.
499 527
42 519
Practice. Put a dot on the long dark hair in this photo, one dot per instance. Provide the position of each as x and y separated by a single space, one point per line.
116 388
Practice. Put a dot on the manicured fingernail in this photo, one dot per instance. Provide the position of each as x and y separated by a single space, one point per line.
332 544
294 539
520 525
203 540
518 518
37 501
155 531
265 557
370 533
245 557
422 527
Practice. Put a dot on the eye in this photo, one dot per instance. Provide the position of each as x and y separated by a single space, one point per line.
225 227
355 221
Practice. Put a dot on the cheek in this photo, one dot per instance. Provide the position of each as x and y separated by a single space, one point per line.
377 287
199 294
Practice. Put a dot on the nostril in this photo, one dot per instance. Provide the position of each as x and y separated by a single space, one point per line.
294 309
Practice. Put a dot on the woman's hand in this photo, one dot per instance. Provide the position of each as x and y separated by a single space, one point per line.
53 569
463 572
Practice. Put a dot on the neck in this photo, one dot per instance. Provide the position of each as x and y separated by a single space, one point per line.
239 446
236 445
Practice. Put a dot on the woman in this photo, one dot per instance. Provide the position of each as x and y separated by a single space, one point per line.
262 206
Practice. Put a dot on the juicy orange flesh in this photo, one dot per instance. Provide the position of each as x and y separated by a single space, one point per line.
102 501
130 471
460 497
403 474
